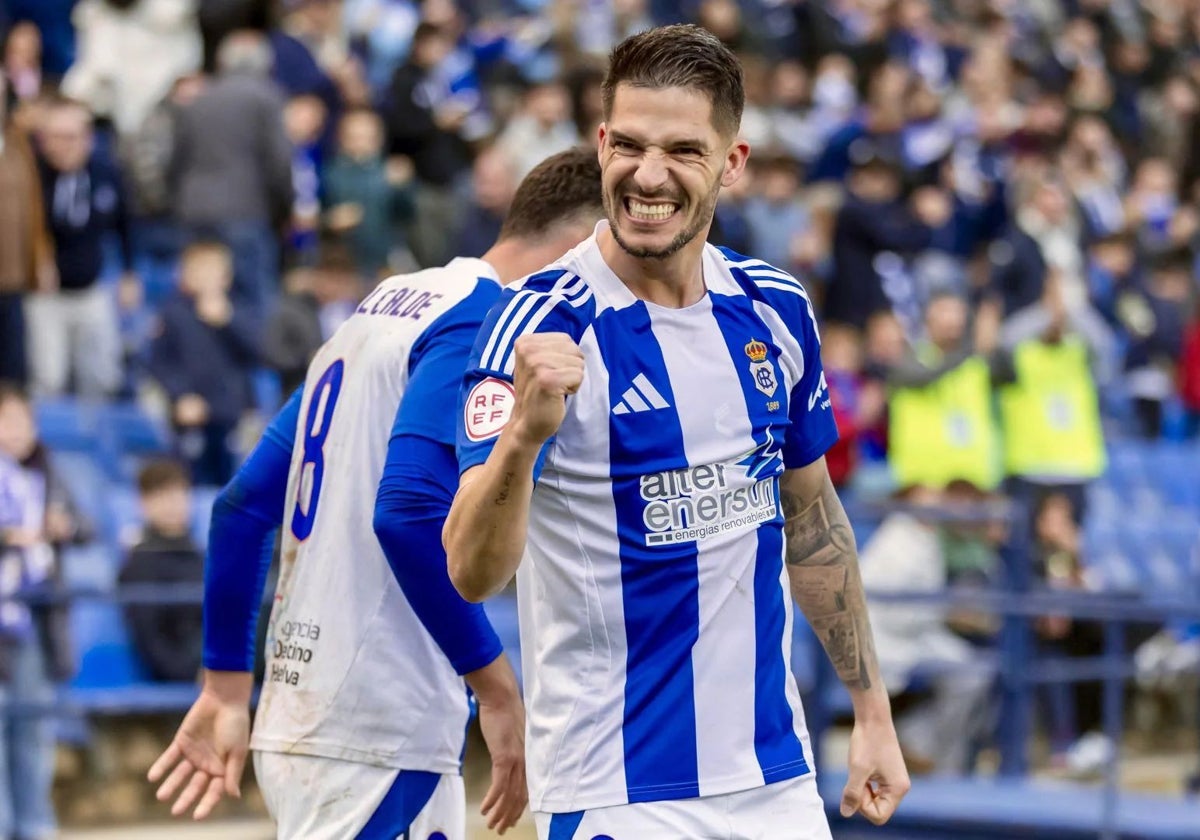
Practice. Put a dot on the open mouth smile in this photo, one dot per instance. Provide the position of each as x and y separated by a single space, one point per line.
649 212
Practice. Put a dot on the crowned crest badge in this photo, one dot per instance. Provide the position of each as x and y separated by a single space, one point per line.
761 370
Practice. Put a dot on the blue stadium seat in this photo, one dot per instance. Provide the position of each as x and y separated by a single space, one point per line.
67 425
132 430
93 566
85 481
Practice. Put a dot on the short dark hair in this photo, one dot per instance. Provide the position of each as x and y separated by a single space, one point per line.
14 391
560 188
681 55
161 474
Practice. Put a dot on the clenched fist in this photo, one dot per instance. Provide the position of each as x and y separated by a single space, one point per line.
549 368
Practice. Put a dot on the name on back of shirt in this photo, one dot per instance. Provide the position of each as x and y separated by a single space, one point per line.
401 302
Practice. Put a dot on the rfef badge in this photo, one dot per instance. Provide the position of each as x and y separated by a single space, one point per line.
761 370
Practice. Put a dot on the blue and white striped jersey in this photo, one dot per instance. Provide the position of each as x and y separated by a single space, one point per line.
654 602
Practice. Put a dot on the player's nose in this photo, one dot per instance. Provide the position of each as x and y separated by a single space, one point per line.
651 174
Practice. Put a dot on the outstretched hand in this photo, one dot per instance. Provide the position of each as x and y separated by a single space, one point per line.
208 753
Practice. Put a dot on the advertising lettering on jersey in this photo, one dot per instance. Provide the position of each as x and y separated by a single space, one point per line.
293 649
694 503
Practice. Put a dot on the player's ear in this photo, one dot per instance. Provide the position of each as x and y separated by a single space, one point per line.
735 161
601 133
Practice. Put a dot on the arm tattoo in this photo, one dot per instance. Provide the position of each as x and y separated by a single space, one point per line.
502 496
823 569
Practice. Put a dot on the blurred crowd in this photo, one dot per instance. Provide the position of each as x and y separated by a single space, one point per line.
208 185
994 206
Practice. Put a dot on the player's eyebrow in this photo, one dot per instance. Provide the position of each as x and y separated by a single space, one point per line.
670 145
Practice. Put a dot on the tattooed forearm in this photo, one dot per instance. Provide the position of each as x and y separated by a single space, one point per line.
823 569
505 487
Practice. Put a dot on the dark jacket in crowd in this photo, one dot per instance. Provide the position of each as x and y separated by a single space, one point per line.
192 357
479 231
167 638
293 337
82 209
233 160
862 231
438 156
1018 270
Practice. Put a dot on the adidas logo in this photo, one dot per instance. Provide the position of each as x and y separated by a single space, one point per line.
641 396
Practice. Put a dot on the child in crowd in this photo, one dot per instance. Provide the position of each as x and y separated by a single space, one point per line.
202 357
367 199
167 637
304 120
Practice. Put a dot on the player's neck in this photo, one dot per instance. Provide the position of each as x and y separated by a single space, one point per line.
674 282
516 257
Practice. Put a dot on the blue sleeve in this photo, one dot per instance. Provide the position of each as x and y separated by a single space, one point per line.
245 517
812 429
487 395
436 366
418 485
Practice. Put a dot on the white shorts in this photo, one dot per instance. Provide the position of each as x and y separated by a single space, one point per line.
312 798
787 810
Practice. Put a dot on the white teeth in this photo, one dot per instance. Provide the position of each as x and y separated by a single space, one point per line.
650 212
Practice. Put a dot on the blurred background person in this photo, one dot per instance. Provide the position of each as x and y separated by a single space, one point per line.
493 185
367 199
36 516
232 169
26 251
318 300
128 55
167 637
202 357
74 338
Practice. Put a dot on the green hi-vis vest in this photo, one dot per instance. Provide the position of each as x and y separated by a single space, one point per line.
1051 415
945 431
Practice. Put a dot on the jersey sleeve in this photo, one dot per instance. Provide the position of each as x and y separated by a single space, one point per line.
487 396
245 516
418 485
812 430
436 367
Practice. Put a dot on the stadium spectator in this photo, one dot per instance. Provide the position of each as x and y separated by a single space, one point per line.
541 128
492 188
1041 235
1189 375
304 120
23 61
129 54
907 554
1151 319
26 252
318 301
1049 414
368 199
220 18
202 357
859 403
53 20
874 221
73 331
146 163
774 213
166 637
232 168
35 517
427 121
942 427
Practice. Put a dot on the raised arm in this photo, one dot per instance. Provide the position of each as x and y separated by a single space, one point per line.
485 531
822 564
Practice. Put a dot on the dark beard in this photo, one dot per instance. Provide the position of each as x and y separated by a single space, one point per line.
685 236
